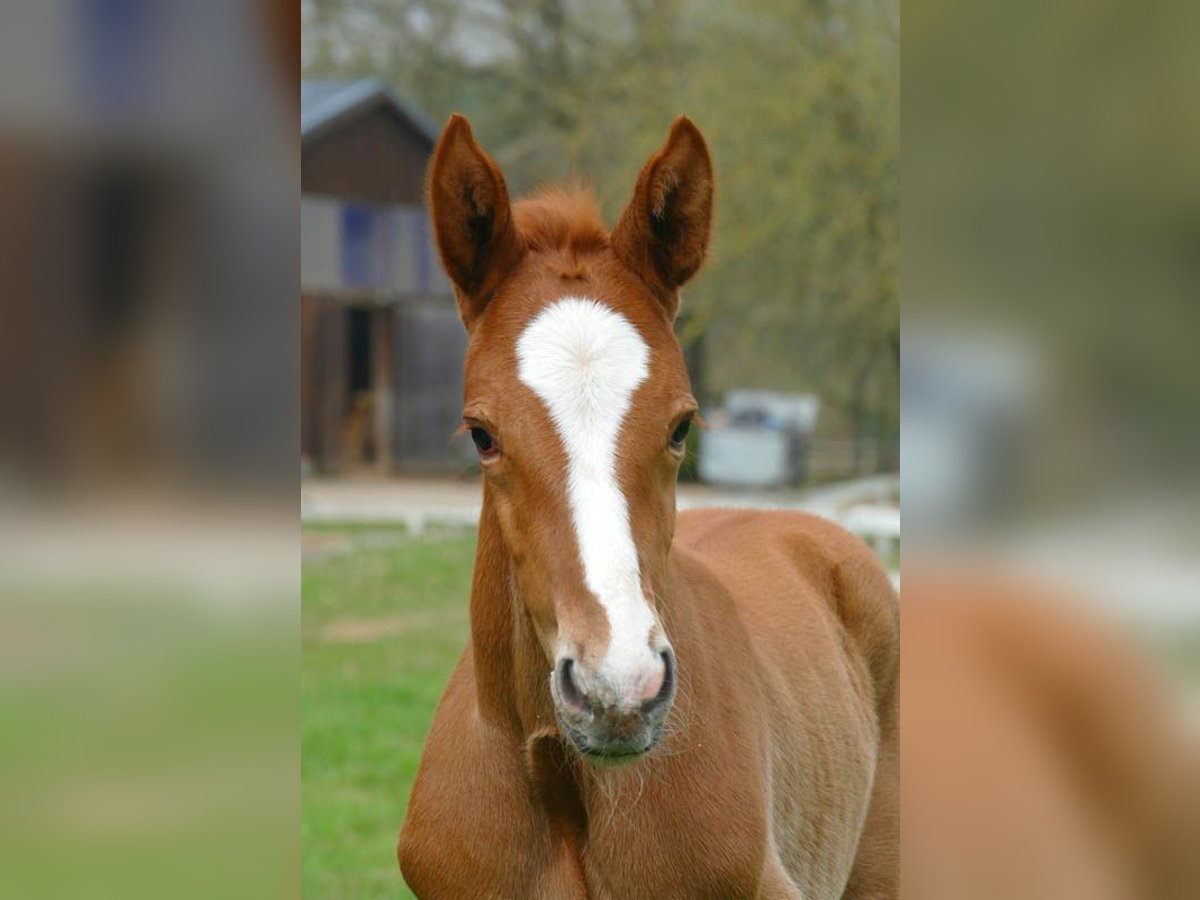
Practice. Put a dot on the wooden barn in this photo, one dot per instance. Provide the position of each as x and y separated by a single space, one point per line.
381 344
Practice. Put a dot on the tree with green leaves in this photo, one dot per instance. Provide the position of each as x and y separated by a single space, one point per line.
800 102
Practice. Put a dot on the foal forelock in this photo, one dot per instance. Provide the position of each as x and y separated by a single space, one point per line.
584 361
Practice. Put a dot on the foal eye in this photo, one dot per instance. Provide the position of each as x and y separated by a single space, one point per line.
484 443
679 435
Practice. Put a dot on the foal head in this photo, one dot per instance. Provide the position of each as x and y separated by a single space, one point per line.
578 402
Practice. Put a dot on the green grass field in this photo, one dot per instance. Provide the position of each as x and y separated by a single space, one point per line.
384 621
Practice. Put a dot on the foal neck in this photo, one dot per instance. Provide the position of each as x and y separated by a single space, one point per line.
511 670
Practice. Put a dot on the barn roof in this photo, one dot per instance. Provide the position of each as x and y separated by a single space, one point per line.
326 102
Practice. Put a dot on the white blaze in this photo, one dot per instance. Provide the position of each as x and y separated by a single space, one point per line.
584 361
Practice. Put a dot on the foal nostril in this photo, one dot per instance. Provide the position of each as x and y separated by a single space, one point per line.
667 689
567 688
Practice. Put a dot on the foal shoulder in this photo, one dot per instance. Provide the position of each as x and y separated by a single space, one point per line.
806 556
471 830
813 548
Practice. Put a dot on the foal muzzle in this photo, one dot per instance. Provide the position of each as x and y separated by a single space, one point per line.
614 719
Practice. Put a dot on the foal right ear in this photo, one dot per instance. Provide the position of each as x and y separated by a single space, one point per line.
472 219
663 233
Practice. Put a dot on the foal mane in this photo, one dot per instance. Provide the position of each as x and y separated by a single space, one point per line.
561 218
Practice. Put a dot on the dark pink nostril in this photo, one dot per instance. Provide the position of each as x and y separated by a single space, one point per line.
567 688
667 689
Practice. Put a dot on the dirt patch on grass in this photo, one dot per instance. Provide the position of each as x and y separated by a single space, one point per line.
316 546
366 631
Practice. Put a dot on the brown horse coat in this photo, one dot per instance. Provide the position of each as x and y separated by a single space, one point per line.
771 770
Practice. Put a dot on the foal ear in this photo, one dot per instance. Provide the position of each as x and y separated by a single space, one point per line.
663 233
472 219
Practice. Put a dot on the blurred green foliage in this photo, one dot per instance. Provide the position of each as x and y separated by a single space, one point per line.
799 101
149 744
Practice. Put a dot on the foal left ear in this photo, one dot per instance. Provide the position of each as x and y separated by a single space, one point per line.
472 218
663 233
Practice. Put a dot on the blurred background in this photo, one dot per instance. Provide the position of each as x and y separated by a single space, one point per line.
148 424
1051 440
791 330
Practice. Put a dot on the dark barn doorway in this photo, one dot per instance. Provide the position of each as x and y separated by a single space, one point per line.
366 423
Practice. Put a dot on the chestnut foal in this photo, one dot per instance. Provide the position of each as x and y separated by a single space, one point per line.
650 706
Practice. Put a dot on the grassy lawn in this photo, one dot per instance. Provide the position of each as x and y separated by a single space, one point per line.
384 621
